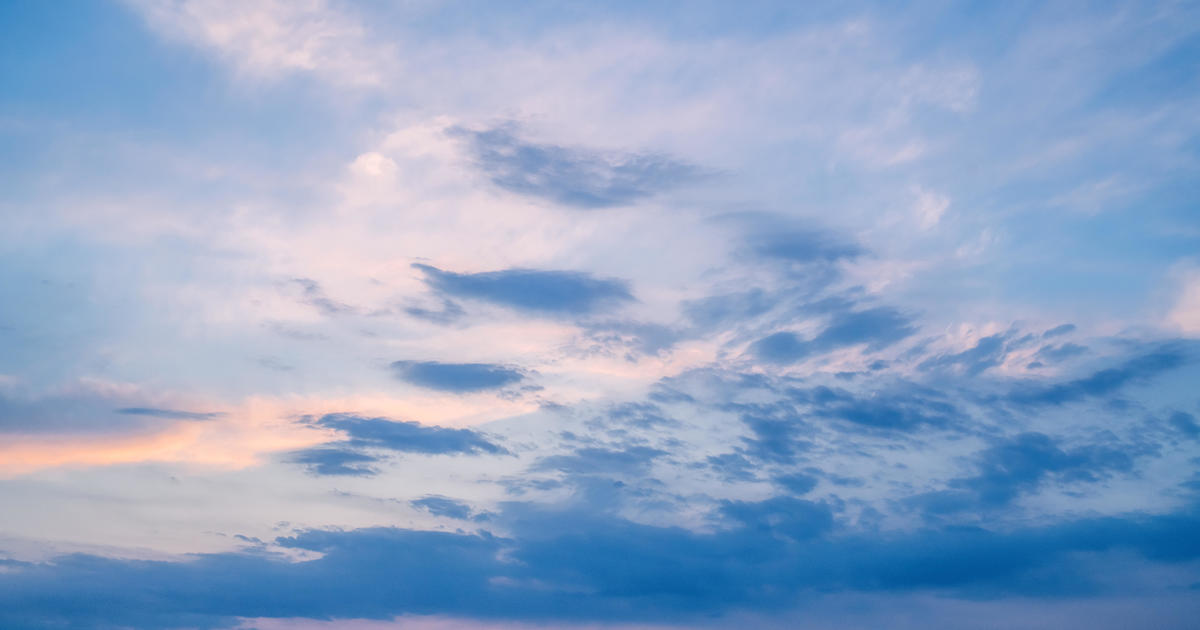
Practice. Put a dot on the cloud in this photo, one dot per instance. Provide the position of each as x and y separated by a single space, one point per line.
796 519
366 438
797 483
877 328
629 461
1185 314
575 566
987 353
728 308
531 290
576 177
449 312
456 377
1105 382
170 414
1058 331
929 207
313 295
779 434
87 409
903 408
442 506
1185 423
633 339
335 461
803 245
1018 465
1060 353
408 437
269 39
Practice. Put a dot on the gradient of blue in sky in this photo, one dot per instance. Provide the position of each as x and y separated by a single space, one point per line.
441 315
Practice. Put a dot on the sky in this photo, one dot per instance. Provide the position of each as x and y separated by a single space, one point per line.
467 315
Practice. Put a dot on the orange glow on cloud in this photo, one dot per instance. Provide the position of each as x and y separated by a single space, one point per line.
240 439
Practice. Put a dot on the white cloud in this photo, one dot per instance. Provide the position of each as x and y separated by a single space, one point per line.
273 37
1185 315
929 206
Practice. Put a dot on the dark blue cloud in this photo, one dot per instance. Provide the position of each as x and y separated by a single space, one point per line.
987 353
877 328
778 437
1019 465
456 377
905 407
804 246
629 461
1060 353
633 339
86 412
1108 381
640 416
533 290
718 310
797 483
313 295
366 437
449 312
408 437
792 518
574 177
733 467
1058 330
329 460
781 347
1185 423
170 414
565 566
443 506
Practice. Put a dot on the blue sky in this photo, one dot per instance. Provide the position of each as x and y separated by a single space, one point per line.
446 315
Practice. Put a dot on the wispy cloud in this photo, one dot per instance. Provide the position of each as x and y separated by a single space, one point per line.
274 38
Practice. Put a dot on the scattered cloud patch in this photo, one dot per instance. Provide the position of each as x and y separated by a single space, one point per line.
456 377
790 518
86 409
449 312
575 177
329 460
804 246
629 461
877 328
443 506
987 353
170 414
408 437
1058 331
1108 381
313 295
1020 464
1185 423
532 290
